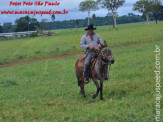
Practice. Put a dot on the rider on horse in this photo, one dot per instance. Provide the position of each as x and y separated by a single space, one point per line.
90 42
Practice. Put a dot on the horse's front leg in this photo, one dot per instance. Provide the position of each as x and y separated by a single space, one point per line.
97 86
101 88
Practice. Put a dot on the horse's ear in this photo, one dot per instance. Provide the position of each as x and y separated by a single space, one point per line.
105 44
101 45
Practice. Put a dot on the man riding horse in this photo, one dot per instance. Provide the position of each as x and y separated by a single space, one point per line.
91 43
95 64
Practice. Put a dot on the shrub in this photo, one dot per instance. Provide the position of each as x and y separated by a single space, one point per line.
34 34
49 33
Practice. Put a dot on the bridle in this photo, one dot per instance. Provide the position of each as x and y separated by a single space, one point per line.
103 61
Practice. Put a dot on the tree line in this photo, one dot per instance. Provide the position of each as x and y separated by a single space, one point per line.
151 10
31 24
146 7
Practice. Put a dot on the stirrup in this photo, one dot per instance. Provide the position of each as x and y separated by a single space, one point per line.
86 81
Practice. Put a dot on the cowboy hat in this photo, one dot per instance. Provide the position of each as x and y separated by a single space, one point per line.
90 27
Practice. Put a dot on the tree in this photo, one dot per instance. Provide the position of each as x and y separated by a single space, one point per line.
130 14
109 18
21 24
53 17
161 13
43 24
77 22
88 6
112 5
156 12
1 29
93 18
144 7
7 27
27 18
34 24
26 24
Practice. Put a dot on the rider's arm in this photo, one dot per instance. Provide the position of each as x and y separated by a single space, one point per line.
83 43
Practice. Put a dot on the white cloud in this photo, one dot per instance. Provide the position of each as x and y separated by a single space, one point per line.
70 5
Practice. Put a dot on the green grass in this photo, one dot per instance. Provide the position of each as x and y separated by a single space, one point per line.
48 91
67 41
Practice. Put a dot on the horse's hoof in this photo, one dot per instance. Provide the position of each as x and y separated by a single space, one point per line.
84 96
102 98
94 96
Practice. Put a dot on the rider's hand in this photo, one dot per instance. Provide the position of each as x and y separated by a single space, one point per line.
91 47
97 48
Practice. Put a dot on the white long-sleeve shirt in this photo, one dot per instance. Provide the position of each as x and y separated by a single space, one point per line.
87 41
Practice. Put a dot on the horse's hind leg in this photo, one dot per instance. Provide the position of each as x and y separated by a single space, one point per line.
81 84
98 88
82 89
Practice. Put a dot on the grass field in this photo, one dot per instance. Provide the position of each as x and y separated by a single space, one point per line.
67 41
47 90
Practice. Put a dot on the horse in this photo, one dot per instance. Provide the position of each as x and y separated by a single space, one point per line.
98 64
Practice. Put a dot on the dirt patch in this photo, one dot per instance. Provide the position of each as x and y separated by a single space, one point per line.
32 60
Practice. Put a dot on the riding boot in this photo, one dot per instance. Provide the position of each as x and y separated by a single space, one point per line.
86 73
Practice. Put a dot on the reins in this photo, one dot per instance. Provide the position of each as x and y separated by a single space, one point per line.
103 63
109 71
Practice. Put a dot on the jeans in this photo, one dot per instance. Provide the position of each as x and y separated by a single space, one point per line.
87 62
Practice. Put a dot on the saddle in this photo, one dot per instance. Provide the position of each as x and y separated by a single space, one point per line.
92 64
82 59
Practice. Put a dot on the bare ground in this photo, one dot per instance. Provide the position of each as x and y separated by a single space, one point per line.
32 60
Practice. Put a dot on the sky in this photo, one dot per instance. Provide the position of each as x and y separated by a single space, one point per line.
72 6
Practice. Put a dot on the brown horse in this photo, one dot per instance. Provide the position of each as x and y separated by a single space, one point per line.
97 69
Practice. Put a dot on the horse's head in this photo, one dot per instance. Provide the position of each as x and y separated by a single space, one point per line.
105 54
